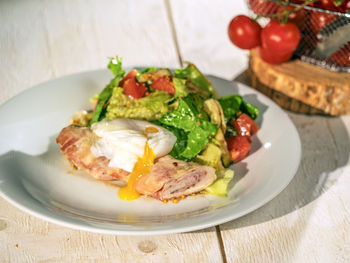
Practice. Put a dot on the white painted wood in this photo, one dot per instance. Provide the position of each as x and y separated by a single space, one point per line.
201 28
310 220
41 40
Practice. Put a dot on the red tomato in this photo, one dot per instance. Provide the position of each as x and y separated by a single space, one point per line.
164 84
244 32
263 7
134 89
326 4
272 57
344 6
281 39
131 74
245 126
239 147
342 56
319 20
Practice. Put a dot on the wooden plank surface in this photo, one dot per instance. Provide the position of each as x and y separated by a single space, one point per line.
308 222
41 40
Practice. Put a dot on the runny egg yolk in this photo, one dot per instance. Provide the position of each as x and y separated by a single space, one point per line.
142 167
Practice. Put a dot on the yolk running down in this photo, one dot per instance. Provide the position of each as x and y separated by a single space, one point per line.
142 167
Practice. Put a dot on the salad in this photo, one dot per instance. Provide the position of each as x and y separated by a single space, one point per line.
178 120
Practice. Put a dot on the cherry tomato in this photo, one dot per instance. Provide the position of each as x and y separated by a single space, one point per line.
239 147
134 89
245 126
263 7
319 20
344 6
279 38
164 84
326 4
131 74
342 56
272 57
244 32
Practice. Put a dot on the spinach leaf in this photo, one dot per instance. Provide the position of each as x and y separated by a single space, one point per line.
250 109
103 97
115 65
192 72
192 131
230 106
233 106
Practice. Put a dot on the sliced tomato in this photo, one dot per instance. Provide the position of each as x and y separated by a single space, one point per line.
245 126
239 147
164 84
131 74
134 89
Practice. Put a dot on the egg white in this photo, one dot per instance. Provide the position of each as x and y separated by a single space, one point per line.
123 141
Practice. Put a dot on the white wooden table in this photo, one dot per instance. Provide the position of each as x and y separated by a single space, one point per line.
40 40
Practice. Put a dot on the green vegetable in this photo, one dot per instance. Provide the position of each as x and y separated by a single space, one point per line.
233 105
219 187
250 109
197 129
180 87
100 109
192 73
149 108
115 65
211 156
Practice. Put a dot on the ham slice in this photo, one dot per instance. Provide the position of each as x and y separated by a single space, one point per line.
75 143
169 178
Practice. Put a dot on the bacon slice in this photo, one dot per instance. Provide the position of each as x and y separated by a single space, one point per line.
75 143
171 178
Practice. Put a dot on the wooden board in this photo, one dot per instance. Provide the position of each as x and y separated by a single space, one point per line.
301 87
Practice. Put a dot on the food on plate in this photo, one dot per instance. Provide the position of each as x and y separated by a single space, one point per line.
164 134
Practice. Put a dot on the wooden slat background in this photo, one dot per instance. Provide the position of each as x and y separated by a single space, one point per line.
40 40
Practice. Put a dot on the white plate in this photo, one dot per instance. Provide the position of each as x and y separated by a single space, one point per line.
35 177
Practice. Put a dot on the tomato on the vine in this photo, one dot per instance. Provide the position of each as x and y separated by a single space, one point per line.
299 18
272 57
244 32
263 7
326 4
280 38
320 19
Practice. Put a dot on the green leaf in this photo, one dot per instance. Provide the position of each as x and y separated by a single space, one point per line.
194 129
230 106
192 72
250 109
180 87
181 118
197 140
115 65
103 97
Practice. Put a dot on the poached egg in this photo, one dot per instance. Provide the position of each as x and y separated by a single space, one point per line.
123 141
131 145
